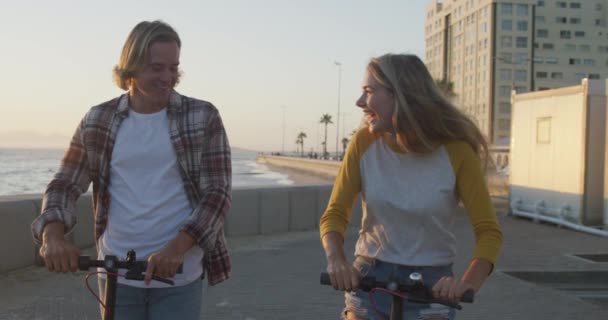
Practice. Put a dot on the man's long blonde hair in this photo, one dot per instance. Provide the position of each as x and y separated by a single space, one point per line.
423 117
135 50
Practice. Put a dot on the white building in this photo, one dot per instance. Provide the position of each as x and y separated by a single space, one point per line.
486 48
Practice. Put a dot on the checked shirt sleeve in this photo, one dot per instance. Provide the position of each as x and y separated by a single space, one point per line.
207 220
72 180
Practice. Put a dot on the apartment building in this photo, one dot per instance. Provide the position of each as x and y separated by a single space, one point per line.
487 48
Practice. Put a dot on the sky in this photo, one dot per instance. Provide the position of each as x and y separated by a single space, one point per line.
258 62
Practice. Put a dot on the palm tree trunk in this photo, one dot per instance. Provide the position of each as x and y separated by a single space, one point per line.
325 144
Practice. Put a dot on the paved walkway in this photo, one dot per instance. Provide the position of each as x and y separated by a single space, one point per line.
276 277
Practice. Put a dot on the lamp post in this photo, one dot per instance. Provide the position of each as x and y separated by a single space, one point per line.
283 143
337 63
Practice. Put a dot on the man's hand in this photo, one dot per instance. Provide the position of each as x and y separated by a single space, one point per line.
164 263
59 254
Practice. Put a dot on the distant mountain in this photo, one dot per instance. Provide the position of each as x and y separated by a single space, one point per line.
33 140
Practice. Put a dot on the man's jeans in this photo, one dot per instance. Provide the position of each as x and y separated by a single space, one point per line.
183 302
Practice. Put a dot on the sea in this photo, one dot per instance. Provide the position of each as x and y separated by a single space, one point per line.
28 171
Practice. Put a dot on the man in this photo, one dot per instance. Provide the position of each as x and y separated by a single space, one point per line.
161 172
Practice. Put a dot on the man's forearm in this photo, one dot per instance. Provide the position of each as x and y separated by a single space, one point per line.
53 230
182 242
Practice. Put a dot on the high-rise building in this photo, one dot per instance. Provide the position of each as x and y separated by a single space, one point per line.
487 48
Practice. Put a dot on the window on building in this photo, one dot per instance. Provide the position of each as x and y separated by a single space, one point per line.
551 60
579 77
506 41
542 33
599 22
543 130
540 3
570 47
506 25
483 27
505 56
557 75
504 108
538 59
575 5
565 34
589 62
574 61
594 76
561 4
541 74
561 20
506 8
575 20
579 34
540 19
521 90
522 25
584 48
505 74
504 91
520 57
548 46
522 10
521 75
521 42
602 49
504 124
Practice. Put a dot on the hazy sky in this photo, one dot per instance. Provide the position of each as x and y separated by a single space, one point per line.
248 58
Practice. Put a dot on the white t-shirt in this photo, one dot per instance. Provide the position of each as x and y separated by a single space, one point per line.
148 203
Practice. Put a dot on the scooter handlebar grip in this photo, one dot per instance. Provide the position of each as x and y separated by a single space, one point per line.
468 296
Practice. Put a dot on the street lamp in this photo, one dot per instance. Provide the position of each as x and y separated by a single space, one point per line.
337 63
283 143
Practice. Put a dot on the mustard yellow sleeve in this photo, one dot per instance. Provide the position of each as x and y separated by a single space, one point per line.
346 187
473 192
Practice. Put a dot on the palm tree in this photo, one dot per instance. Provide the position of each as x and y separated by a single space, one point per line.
325 119
446 87
300 140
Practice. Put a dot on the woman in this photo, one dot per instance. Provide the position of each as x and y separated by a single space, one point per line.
415 160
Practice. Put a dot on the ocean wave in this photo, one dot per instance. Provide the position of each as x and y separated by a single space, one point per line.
29 171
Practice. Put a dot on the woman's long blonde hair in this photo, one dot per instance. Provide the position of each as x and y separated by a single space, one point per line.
423 117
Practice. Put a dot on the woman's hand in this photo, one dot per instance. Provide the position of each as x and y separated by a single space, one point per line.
450 289
342 274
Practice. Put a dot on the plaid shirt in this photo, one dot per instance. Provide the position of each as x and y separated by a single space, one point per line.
203 153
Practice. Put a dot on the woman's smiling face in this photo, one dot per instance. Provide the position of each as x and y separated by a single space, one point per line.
377 103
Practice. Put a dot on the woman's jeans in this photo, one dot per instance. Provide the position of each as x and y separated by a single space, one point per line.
183 302
358 302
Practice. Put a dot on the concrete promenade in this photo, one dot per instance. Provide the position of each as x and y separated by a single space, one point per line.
276 277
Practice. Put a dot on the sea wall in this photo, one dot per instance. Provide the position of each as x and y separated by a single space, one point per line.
323 168
254 211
